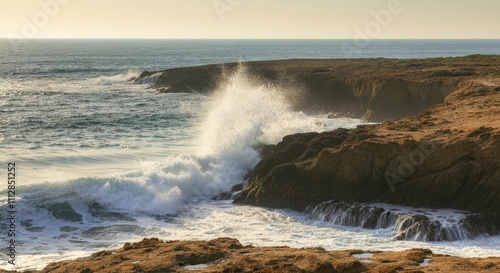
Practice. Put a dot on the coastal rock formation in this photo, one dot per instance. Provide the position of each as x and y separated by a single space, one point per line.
228 255
446 157
444 152
407 223
373 89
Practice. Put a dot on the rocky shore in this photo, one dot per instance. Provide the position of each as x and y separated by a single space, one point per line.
228 255
446 157
437 146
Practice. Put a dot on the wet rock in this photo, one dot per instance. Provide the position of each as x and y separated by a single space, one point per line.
231 193
477 224
408 224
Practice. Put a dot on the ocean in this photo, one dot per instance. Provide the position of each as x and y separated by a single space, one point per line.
101 161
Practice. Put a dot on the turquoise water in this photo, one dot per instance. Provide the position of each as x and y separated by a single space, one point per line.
127 162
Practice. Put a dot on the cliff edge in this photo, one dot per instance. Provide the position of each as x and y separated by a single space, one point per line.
373 89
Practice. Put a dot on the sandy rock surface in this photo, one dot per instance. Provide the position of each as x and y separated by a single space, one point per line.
228 255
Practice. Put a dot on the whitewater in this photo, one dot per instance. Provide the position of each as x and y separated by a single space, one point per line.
102 161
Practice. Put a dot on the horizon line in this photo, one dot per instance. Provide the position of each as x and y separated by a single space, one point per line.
137 38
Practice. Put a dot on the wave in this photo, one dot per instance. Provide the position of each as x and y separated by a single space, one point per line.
78 70
152 79
52 71
60 77
119 78
242 115
246 114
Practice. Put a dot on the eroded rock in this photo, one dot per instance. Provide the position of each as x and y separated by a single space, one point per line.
228 255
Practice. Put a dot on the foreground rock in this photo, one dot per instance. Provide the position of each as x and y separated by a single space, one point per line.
446 157
374 89
228 255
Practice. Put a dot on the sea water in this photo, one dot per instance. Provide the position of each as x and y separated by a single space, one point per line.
101 161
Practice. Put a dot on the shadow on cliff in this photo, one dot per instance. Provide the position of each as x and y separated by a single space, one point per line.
372 89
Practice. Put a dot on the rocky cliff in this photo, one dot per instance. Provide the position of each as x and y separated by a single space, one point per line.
374 89
443 152
446 157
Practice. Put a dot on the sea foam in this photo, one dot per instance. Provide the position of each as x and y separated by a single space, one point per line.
242 115
119 78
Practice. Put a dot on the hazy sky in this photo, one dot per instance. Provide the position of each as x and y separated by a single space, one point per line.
249 18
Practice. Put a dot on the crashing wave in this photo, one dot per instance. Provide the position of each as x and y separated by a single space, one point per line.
120 78
151 79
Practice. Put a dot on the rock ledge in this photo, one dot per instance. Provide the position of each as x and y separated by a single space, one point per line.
228 255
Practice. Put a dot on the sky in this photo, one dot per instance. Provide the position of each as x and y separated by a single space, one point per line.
250 19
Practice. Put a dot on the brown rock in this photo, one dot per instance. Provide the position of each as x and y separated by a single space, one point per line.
446 157
375 89
228 255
